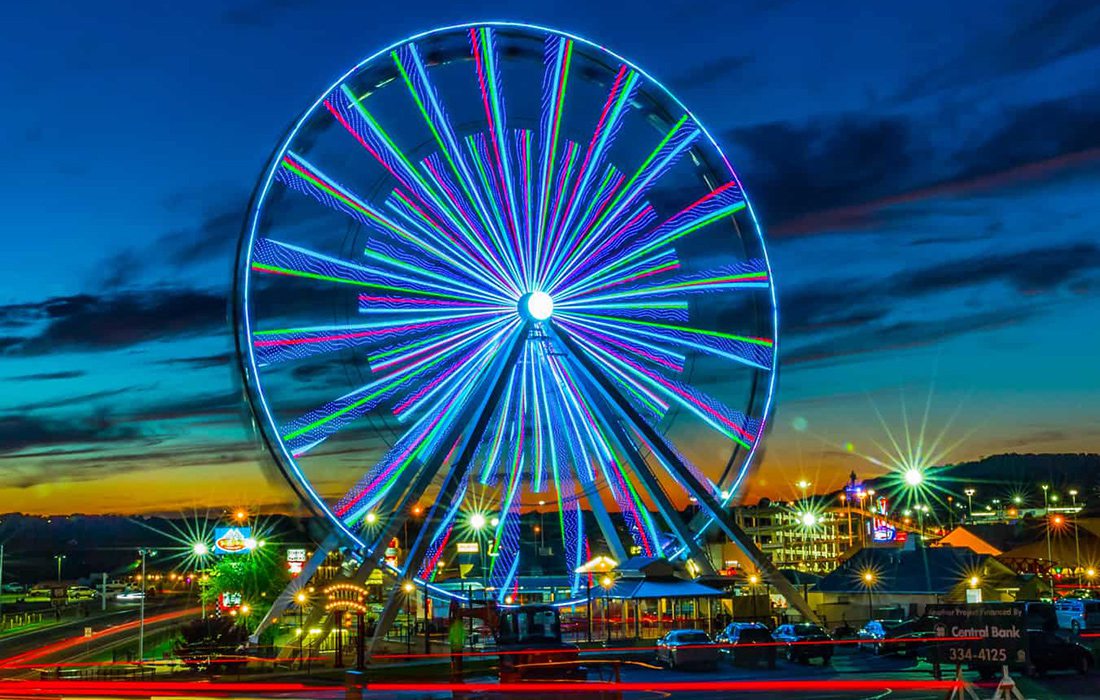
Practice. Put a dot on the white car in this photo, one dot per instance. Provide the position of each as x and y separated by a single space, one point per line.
82 592
1076 614
130 595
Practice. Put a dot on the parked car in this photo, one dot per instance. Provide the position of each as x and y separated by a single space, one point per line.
805 641
747 643
681 648
1076 614
1047 651
870 636
12 587
82 592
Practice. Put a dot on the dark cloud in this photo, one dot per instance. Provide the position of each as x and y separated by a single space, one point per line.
1033 270
72 400
222 359
1037 132
799 168
19 432
91 322
723 69
48 376
902 335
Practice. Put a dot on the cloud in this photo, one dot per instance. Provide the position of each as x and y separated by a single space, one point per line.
48 376
96 322
800 168
221 359
722 69
19 432
72 400
1032 270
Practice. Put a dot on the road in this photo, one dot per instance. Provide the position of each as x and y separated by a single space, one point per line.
67 643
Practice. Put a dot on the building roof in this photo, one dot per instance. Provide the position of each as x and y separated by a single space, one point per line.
920 570
992 538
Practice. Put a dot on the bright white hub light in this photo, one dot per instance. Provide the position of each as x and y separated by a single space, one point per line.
809 519
538 306
914 477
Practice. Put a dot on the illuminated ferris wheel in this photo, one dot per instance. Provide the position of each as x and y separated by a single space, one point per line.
497 268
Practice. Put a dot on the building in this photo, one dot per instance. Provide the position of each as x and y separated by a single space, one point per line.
900 583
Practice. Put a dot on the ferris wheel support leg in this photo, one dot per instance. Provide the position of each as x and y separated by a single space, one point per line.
478 415
653 486
603 519
702 494
284 599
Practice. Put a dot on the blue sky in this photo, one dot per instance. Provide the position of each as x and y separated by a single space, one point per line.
926 175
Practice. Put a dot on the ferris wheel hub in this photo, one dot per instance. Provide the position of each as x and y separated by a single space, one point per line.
536 306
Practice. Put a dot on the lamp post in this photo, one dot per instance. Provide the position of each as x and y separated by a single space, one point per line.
753 580
1076 539
1046 517
200 550
607 582
409 589
144 552
300 598
60 558
970 503
869 580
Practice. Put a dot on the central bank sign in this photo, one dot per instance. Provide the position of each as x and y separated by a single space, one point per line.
982 633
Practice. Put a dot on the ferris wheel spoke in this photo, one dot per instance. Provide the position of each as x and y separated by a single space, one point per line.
625 247
426 97
746 350
300 175
619 485
751 274
667 152
483 48
557 58
308 431
277 345
733 424
433 206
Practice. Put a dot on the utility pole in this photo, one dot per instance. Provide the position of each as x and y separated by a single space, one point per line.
1 582
1050 556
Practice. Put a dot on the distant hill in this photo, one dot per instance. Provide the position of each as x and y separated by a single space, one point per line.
1002 475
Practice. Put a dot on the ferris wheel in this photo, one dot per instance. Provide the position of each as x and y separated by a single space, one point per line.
496 268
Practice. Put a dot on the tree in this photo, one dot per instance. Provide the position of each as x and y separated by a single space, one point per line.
257 576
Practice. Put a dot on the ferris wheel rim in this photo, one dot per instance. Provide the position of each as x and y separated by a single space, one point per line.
264 414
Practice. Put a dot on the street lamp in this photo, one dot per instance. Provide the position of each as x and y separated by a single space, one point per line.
914 477
869 579
200 550
60 558
1050 557
607 582
409 588
144 552
1076 538
969 502
301 598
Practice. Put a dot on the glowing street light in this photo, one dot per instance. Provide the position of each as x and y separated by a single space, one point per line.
974 581
371 518
914 477
969 501
808 519
477 521
869 579
200 549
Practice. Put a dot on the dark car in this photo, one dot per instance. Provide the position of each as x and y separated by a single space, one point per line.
805 641
1047 651
748 643
681 648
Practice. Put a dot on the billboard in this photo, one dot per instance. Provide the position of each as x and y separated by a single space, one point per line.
980 633
232 540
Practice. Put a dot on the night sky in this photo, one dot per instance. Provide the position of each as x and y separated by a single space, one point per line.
927 176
